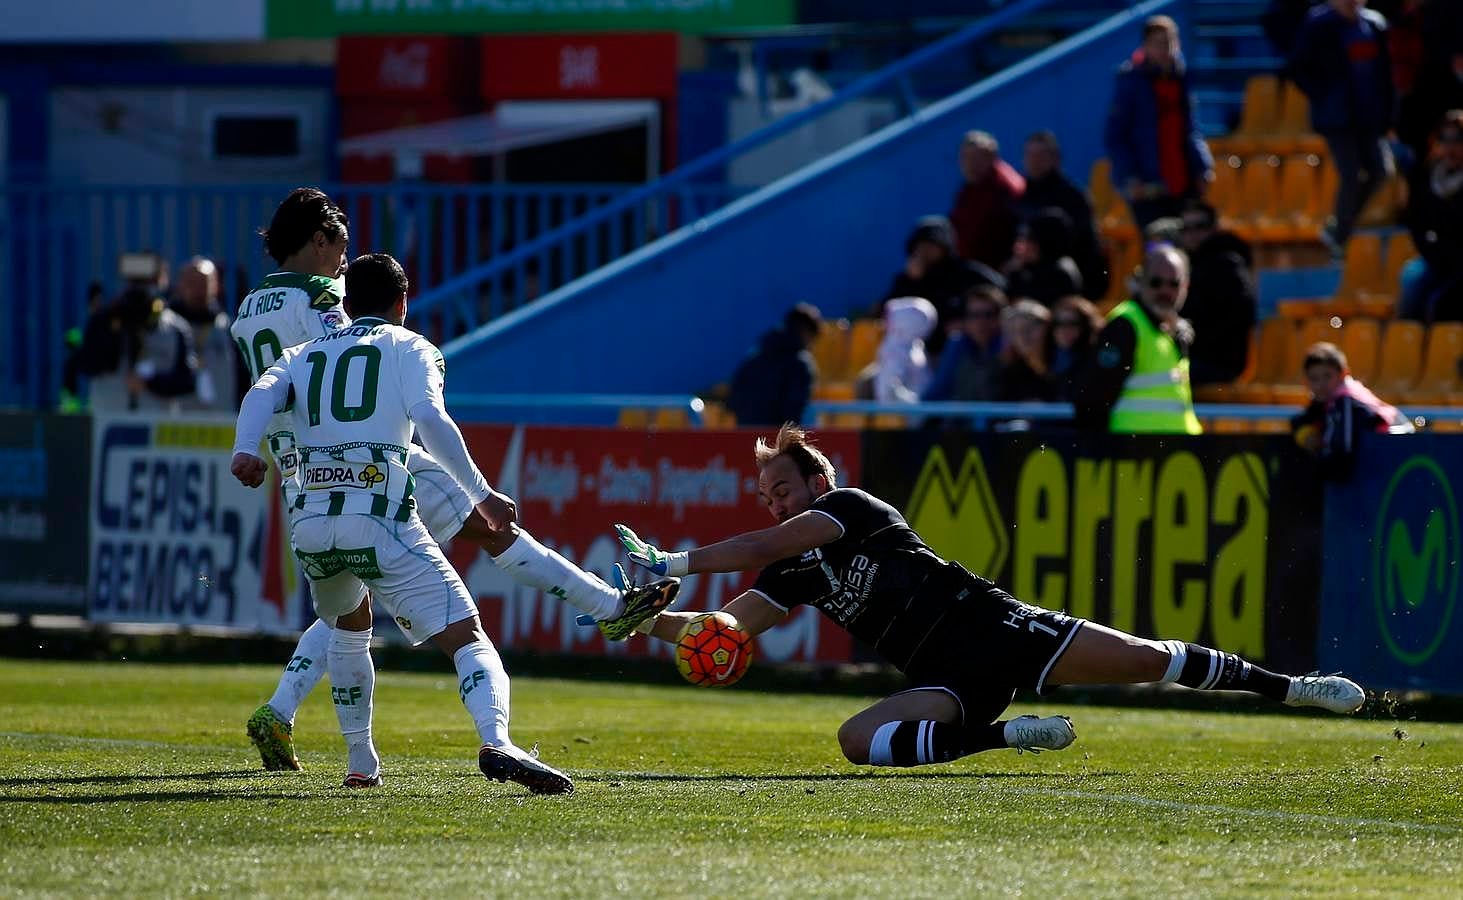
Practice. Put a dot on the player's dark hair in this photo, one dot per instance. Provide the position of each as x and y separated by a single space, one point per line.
795 443
304 212
373 284
1325 354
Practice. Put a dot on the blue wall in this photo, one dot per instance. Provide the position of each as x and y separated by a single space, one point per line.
1389 607
679 314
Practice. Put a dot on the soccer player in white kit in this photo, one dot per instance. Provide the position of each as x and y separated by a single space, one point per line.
307 238
354 396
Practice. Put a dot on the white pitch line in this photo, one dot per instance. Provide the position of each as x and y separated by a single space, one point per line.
1275 814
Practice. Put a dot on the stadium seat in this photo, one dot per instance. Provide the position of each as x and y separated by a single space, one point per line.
863 344
1361 341
1439 382
1259 190
634 417
1272 353
671 418
1400 251
1295 218
1293 128
830 350
1361 271
1100 188
1400 358
716 415
1223 192
1259 116
835 391
1385 206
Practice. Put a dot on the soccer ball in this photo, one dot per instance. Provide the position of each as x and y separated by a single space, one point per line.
713 650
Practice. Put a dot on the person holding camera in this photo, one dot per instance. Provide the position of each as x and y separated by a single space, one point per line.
137 353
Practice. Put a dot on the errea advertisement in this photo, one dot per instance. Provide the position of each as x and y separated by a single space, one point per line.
174 537
1214 541
1391 573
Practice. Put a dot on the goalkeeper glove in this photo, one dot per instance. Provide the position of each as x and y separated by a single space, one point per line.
650 557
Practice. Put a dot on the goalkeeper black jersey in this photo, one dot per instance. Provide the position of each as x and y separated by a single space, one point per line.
879 580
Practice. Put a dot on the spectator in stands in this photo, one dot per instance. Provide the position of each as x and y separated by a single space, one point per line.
221 378
1075 325
1342 63
1041 266
1222 304
774 383
1435 218
1140 376
138 353
1159 159
985 211
1281 21
901 369
1340 411
933 270
970 367
1048 186
1026 356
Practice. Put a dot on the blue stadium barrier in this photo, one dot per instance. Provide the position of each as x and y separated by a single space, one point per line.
57 239
677 315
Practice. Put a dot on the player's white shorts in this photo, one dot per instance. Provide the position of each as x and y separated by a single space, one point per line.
441 501
407 573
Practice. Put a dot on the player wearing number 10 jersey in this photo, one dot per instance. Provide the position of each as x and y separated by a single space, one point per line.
307 238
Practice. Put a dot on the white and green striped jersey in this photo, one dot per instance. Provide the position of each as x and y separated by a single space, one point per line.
354 391
285 310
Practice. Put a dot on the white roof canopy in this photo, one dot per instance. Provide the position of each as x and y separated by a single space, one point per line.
513 125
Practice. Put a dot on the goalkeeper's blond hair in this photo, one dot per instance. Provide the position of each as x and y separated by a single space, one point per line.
797 444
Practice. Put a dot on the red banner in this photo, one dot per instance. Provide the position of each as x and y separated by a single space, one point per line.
582 66
678 489
405 67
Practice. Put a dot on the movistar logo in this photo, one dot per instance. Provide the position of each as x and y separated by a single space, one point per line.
1415 556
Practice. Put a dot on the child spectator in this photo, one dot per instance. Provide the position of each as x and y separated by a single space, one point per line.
1340 410
903 370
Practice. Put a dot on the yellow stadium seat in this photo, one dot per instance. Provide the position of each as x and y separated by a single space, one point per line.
1439 382
1386 205
1224 191
1272 355
1293 127
830 350
835 391
888 422
1259 187
634 417
1400 251
672 418
863 344
1401 358
1100 188
716 415
1259 117
1361 272
1295 219
1361 341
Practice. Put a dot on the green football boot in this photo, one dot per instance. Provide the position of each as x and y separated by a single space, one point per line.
274 738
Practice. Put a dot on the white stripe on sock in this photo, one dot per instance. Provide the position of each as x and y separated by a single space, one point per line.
1214 669
881 750
1178 654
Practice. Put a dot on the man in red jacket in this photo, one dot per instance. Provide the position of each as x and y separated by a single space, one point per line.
985 213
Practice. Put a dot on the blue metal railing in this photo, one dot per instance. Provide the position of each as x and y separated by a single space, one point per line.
679 198
55 240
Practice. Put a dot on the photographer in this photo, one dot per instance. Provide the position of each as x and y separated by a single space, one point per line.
137 352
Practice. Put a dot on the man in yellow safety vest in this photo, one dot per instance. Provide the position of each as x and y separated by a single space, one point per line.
1140 382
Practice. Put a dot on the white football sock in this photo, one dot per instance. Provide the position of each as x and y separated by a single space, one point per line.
483 686
352 684
531 563
304 670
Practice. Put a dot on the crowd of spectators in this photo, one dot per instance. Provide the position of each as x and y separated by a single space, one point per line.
161 344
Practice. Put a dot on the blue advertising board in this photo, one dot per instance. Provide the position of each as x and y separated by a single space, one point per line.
1389 592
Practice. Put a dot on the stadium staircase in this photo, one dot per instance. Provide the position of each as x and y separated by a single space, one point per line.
677 311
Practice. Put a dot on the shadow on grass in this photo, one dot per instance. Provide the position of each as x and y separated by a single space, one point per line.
128 779
902 775
150 797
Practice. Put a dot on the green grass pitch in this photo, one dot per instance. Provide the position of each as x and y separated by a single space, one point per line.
136 780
